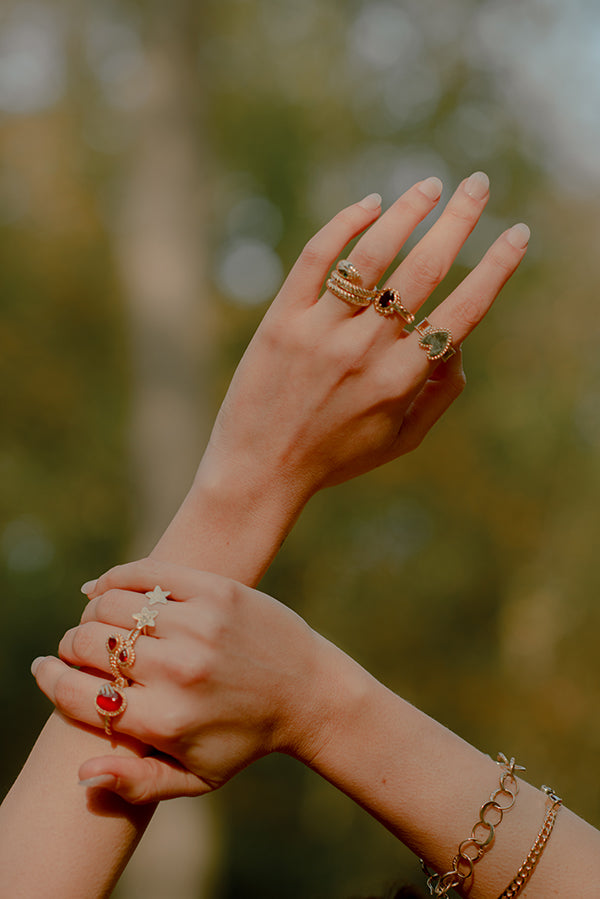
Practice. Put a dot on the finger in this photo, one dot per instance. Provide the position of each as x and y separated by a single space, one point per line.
86 646
74 694
122 609
430 260
141 780
466 306
437 395
377 248
306 278
141 576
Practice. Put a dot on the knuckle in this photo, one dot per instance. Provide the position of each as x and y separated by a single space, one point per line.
313 255
462 214
500 260
424 270
152 568
366 260
66 695
172 722
468 310
106 605
190 669
82 642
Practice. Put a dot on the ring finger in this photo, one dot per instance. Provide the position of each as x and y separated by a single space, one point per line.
428 263
87 646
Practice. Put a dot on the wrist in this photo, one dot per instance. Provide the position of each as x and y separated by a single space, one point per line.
335 696
233 520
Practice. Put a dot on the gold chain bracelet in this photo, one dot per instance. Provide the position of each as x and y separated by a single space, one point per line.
528 867
474 847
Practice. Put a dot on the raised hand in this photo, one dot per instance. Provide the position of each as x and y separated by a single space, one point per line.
327 389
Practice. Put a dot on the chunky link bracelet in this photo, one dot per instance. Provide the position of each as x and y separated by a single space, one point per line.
528 867
481 839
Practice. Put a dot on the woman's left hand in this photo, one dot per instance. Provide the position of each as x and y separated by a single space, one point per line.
228 675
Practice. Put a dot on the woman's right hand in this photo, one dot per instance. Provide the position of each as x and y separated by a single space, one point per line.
228 675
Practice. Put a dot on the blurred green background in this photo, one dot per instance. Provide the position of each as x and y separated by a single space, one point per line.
161 167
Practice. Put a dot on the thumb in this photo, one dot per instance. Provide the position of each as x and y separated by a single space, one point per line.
141 780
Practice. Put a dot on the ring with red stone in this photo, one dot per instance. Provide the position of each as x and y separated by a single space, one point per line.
121 651
437 342
388 302
111 701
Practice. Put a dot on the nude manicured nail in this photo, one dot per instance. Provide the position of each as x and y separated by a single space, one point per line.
431 187
89 586
373 201
477 185
35 663
518 236
102 780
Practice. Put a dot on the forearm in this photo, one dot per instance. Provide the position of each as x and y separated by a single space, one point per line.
57 839
427 786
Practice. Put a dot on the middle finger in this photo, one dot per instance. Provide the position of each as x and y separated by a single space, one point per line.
86 647
430 260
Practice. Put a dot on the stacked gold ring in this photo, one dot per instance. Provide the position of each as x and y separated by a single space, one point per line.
345 283
350 290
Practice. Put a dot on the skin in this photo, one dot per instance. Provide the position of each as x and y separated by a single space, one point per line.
317 372
229 674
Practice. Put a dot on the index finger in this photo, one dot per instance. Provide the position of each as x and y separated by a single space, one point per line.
145 575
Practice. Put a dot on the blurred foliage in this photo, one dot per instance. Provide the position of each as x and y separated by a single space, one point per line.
462 576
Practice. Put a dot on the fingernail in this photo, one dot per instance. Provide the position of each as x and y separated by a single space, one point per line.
89 586
102 780
518 236
431 187
373 201
477 185
35 664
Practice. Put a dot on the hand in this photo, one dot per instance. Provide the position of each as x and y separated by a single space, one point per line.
327 390
228 675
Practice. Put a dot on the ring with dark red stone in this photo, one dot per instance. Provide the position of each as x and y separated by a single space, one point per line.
121 652
388 302
110 702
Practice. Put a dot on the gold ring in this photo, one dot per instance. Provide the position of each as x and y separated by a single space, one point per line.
110 702
437 342
387 301
345 283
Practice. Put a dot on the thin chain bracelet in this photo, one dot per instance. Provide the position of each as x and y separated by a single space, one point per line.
528 867
463 862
